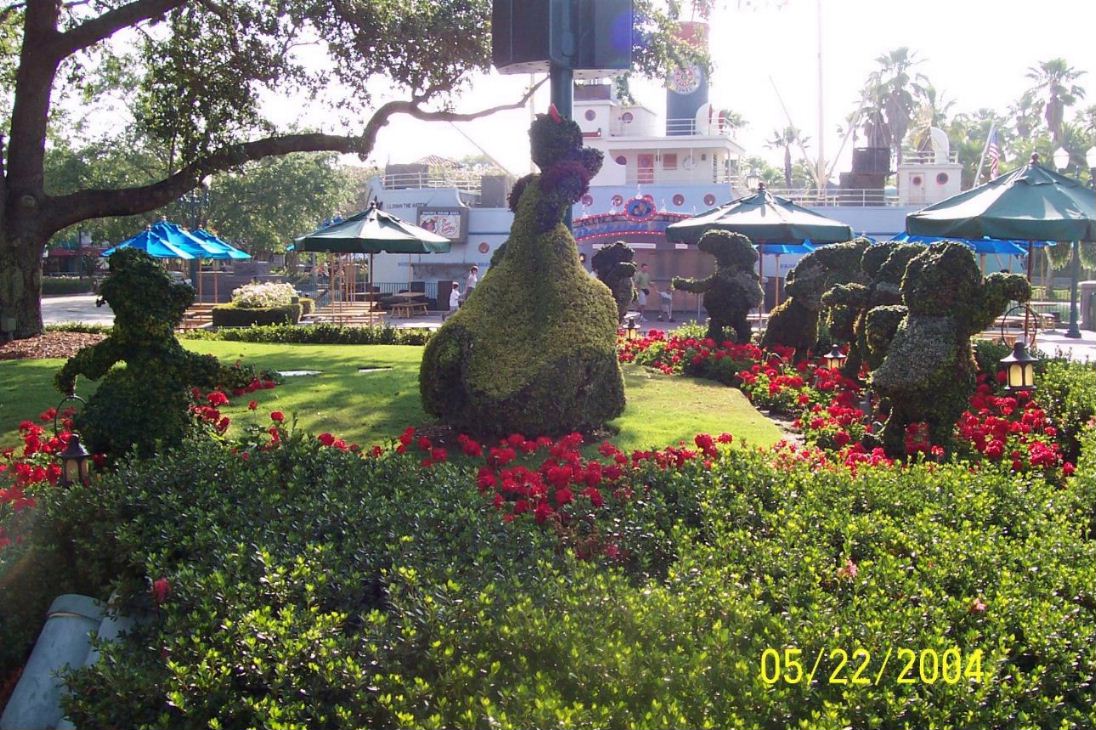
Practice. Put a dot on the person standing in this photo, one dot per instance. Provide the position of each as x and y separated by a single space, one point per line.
470 281
643 288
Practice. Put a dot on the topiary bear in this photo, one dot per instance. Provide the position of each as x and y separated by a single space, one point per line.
795 322
533 350
615 268
928 370
732 290
147 402
848 304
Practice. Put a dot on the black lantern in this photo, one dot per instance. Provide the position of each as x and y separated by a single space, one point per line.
1019 369
631 327
834 358
74 462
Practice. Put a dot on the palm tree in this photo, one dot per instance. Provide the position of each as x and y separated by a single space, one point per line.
1055 90
785 139
888 98
932 111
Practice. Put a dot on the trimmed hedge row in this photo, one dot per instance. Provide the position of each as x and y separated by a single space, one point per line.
316 334
311 587
65 285
230 315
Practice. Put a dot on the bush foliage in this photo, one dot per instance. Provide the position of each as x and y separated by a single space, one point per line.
310 586
235 315
316 334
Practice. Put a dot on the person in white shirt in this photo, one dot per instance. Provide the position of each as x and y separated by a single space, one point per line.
454 296
470 281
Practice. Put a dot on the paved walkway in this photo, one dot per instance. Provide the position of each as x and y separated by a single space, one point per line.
82 309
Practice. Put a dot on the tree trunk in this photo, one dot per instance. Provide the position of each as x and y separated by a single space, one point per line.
21 285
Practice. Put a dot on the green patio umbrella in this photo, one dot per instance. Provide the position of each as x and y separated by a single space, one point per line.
764 218
373 231
1031 203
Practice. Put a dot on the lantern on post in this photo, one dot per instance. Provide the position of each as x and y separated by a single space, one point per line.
834 358
631 328
74 462
1019 369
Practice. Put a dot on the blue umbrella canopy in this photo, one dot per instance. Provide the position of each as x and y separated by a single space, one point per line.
223 249
780 249
155 245
979 246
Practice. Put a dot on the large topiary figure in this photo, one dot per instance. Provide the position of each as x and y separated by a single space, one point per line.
927 373
732 290
795 322
533 350
615 268
848 304
147 401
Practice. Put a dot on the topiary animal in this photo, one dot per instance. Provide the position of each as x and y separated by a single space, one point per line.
147 402
534 349
615 268
928 369
795 322
848 304
732 290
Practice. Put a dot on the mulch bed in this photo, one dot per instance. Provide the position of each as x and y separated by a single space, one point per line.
50 344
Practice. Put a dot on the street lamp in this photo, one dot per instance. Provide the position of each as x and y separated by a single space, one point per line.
834 358
1061 161
752 179
1019 369
74 462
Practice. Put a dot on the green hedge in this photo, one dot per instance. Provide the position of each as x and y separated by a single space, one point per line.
63 285
315 588
229 315
316 334
1067 390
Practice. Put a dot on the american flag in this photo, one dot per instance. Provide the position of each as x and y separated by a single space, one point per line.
993 154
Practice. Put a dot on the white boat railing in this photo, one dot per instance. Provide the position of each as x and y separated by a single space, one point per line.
465 182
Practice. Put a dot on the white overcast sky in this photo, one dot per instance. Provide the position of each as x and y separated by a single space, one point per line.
975 52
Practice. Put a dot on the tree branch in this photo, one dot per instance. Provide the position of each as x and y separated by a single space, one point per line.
65 210
98 29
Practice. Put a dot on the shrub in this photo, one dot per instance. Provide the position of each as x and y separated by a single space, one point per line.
65 285
1068 392
313 587
233 315
96 329
264 296
315 334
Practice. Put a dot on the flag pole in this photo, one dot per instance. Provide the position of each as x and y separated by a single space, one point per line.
985 148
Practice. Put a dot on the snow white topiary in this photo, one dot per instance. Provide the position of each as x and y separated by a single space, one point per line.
733 290
533 350
146 403
927 373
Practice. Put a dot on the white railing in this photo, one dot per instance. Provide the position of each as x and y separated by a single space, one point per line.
692 126
465 182
928 157
856 198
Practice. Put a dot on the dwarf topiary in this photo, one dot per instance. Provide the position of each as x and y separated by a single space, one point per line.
533 350
795 322
732 290
147 401
927 373
848 304
615 268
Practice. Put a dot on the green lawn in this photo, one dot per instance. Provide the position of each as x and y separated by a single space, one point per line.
375 406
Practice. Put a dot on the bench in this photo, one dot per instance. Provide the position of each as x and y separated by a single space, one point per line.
408 309
196 316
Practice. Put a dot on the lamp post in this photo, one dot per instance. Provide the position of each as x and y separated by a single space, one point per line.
1061 161
834 358
74 462
753 180
1019 369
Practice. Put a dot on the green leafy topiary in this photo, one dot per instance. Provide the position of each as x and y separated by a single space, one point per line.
927 373
733 290
795 322
615 268
533 350
148 400
883 266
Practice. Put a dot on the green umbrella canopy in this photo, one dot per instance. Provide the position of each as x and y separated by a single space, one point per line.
373 231
763 218
1031 203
